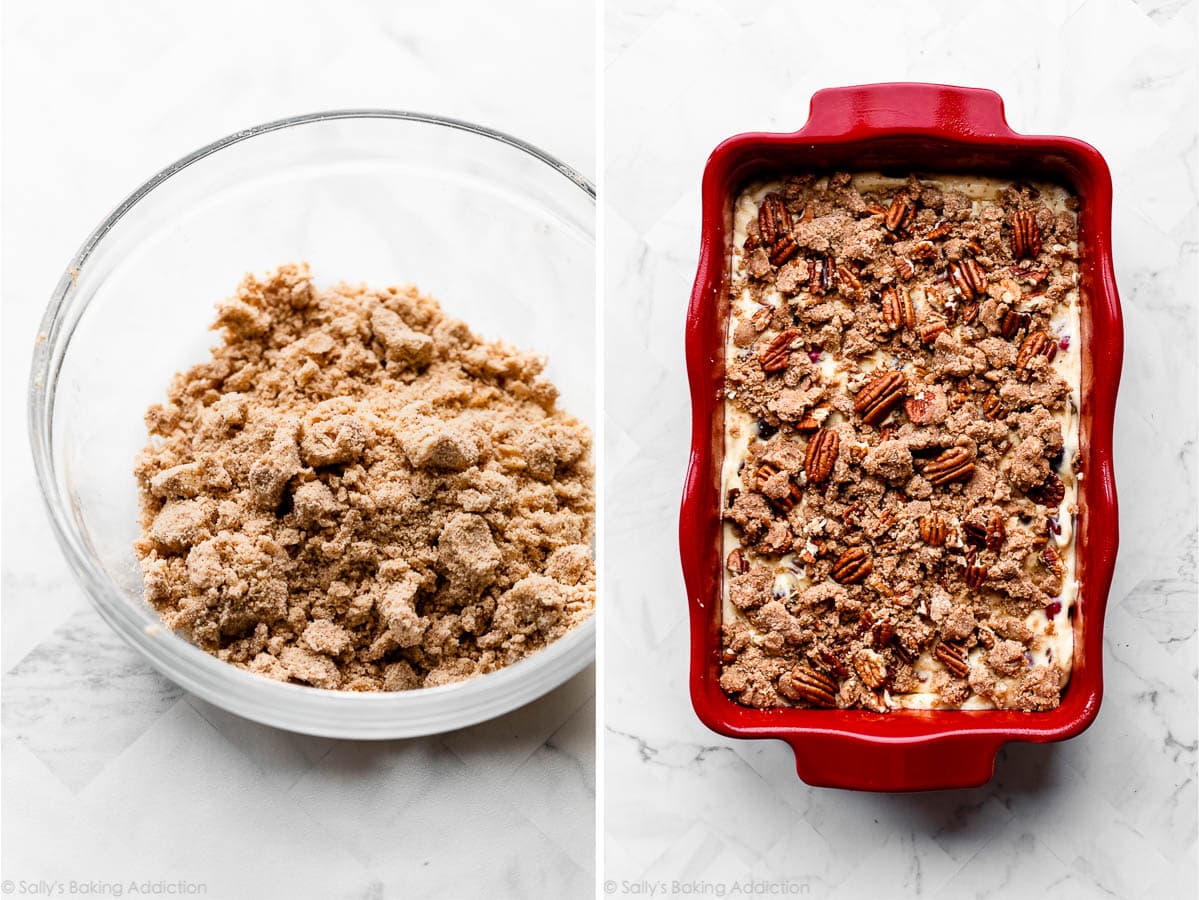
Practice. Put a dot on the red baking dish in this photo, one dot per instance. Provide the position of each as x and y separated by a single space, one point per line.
901 128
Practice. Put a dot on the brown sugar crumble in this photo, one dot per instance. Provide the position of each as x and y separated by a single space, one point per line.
901 443
357 493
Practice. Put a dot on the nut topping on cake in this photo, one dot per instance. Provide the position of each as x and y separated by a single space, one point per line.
871 668
773 219
806 684
1036 344
852 566
1026 235
934 529
897 309
821 455
968 278
775 355
953 656
953 464
880 396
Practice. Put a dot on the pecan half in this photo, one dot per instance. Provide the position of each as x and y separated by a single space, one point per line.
882 633
773 219
782 250
806 684
1012 322
829 662
953 464
736 562
880 396
953 656
996 532
968 278
1038 343
898 312
934 529
775 355
821 455
822 274
1051 492
1026 235
975 534
974 573
871 668
852 566
900 213
923 251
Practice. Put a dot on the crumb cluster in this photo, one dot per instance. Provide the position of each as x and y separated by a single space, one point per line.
901 427
357 493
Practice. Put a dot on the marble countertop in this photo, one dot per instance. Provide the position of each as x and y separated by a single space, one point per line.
1112 812
110 772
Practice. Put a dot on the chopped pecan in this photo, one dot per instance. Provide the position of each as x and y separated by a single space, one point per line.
968 278
919 408
821 455
1051 492
811 421
812 687
852 514
905 269
974 247
953 464
938 231
736 562
975 534
1053 561
830 662
848 280
1012 322
992 407
953 656
880 396
761 318
934 529
775 355
1038 343
783 249
852 566
773 219
1026 235
968 312
931 328
898 312
923 251
871 668
786 503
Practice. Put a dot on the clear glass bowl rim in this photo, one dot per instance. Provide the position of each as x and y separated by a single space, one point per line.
346 714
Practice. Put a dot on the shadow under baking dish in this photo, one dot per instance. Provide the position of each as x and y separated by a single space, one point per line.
902 127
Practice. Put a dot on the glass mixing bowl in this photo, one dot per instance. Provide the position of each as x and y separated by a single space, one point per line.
498 231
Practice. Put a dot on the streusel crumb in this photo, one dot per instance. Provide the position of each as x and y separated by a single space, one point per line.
901 443
357 493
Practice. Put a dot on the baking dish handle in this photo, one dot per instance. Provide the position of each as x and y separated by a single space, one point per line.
955 760
870 109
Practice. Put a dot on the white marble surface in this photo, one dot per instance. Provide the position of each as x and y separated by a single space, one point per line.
1111 813
110 772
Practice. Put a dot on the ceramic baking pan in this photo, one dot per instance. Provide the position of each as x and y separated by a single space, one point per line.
899 128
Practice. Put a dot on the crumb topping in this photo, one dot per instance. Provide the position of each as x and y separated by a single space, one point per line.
357 493
901 446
